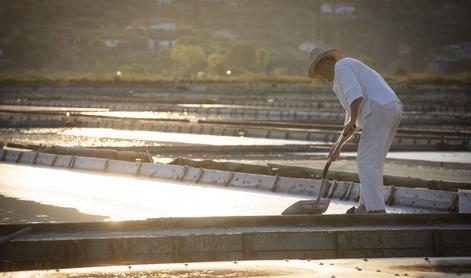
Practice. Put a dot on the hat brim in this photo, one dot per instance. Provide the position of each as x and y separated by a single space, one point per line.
333 53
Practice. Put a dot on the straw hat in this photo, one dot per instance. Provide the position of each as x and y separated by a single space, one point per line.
317 54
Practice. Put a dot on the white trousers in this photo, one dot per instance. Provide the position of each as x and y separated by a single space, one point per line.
379 129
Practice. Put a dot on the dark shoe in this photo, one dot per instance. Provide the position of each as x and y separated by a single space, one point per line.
350 210
377 211
361 209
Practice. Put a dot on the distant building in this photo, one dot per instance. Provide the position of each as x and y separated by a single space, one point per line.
231 3
327 8
404 49
344 9
306 46
151 44
111 43
338 9
169 26
131 27
156 24
167 43
164 2
224 34
452 58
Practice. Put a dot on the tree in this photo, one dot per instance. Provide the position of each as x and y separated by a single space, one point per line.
162 58
135 69
242 56
188 58
263 60
217 63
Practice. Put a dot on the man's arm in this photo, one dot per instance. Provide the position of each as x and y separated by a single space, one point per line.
349 128
351 89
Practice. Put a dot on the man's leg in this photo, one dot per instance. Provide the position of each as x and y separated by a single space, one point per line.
376 139
396 120
370 159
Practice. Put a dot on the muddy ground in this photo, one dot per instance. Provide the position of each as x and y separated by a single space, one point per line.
13 210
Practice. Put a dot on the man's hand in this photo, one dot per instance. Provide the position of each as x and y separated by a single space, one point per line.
347 132
334 154
349 129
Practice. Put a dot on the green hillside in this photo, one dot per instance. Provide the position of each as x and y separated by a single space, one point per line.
191 37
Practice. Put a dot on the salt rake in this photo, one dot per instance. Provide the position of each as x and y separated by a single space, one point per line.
317 206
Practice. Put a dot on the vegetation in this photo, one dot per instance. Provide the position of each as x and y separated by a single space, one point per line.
419 78
248 38
463 78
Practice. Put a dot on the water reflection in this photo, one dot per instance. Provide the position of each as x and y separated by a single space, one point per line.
177 137
123 197
139 114
126 198
440 156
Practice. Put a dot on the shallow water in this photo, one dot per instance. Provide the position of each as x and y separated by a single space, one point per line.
440 156
124 197
461 157
178 137
143 115
107 137
27 108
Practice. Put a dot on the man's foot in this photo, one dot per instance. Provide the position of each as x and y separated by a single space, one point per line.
361 209
350 210
377 211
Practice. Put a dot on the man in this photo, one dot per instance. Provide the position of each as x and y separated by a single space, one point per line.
371 105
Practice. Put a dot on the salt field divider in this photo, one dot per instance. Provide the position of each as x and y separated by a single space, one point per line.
313 173
418 142
331 117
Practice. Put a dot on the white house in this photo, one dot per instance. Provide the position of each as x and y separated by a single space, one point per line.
152 23
111 43
131 27
327 8
167 43
344 9
306 46
224 34
169 26
338 9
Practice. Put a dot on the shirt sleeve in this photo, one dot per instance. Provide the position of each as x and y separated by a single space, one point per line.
350 88
347 118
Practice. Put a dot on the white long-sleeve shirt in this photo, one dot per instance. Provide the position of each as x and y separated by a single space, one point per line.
352 80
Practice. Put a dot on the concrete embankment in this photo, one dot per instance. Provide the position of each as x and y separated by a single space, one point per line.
174 240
